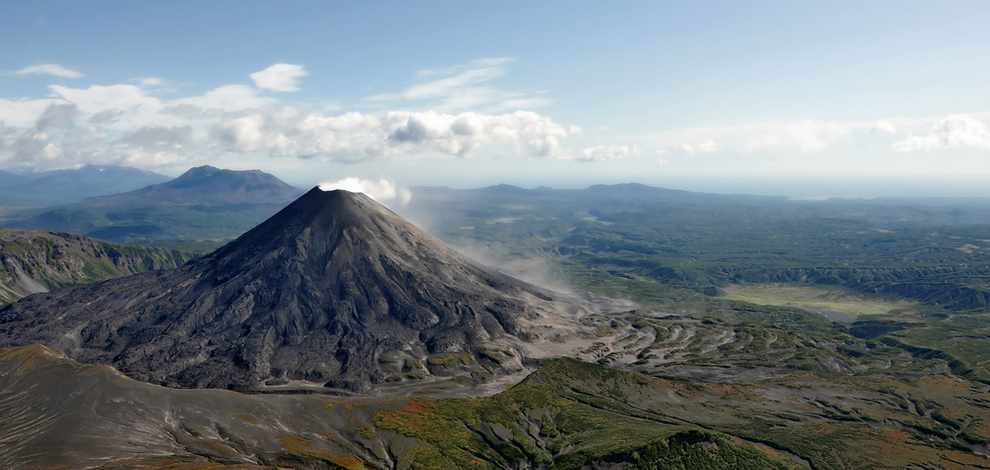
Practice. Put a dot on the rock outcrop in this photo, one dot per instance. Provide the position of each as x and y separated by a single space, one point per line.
32 262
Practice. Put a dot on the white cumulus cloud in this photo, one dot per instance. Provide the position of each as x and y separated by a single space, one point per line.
707 146
604 153
884 126
956 131
459 135
383 190
135 124
24 113
50 69
228 98
99 98
279 77
398 134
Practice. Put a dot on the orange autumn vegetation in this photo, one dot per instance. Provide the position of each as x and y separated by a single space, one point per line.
300 447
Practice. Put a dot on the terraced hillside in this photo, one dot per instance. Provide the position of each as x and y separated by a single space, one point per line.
36 261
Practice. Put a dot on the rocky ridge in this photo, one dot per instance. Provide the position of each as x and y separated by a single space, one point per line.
32 262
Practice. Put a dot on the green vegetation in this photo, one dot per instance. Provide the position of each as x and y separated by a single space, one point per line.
199 228
571 414
672 248
559 417
702 450
40 260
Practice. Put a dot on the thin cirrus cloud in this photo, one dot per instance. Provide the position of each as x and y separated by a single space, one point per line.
805 136
958 131
462 87
50 69
459 78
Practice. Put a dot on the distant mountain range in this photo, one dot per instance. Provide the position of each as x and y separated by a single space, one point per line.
205 186
7 179
71 185
204 204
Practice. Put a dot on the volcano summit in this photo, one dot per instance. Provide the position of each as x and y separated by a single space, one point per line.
333 290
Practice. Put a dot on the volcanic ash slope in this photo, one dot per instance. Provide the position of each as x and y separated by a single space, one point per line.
335 289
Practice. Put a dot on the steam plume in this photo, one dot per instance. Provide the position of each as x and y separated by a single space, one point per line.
383 190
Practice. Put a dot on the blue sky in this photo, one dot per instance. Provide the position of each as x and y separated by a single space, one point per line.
801 98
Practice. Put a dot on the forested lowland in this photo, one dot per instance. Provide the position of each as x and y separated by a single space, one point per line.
652 244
